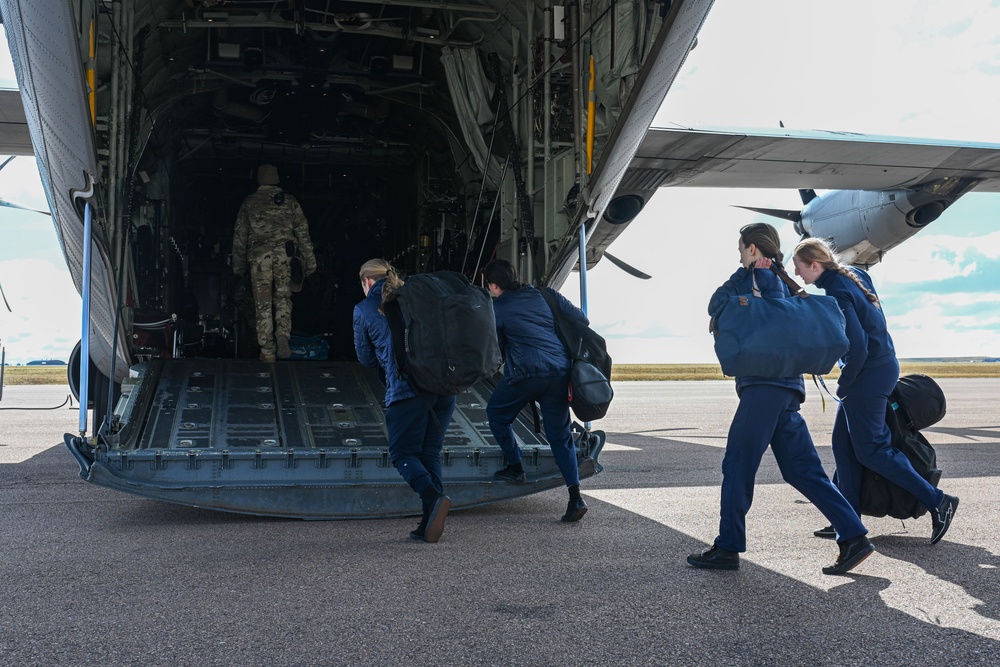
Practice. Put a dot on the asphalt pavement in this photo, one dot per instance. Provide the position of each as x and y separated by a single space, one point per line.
90 576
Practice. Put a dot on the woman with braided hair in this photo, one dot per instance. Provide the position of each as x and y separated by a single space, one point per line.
868 374
416 422
768 415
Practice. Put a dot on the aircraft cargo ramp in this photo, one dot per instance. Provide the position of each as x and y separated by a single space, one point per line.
303 439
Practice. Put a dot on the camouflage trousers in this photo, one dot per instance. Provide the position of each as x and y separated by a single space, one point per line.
270 279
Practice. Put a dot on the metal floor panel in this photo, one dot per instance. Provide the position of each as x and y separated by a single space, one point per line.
234 404
301 439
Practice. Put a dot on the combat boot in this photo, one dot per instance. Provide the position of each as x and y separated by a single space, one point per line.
267 357
283 350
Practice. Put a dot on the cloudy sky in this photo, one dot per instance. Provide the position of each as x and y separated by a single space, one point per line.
903 68
914 68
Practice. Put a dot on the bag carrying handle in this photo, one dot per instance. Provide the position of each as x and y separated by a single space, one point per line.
795 288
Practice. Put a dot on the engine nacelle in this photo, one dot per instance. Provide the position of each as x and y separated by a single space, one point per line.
865 224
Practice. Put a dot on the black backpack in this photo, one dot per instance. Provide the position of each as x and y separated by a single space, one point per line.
916 402
590 391
443 331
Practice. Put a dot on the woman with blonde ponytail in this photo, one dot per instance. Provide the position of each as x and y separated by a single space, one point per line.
869 371
416 422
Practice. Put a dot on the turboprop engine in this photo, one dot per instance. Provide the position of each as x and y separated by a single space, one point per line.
864 224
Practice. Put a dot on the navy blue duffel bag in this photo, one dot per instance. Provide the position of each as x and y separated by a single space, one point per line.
779 337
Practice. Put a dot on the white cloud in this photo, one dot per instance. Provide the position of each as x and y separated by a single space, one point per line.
892 67
938 257
45 318
928 69
933 329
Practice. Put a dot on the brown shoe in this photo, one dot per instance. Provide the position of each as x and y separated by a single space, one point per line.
283 350
267 357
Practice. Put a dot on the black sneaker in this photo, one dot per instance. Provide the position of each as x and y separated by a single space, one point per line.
715 558
827 533
420 532
436 519
512 473
852 553
942 516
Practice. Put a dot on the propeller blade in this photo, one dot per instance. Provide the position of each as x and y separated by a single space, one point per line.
807 195
7 161
794 216
4 202
631 270
5 300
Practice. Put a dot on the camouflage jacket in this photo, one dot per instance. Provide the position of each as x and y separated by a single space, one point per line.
265 222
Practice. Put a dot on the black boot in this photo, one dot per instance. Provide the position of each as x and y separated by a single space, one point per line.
421 530
715 558
436 506
827 533
852 552
514 472
576 507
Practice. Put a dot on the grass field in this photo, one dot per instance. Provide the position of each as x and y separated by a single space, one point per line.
936 369
17 375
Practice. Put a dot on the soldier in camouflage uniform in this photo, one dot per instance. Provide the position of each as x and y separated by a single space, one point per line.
267 220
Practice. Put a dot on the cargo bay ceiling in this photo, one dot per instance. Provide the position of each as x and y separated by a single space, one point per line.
346 81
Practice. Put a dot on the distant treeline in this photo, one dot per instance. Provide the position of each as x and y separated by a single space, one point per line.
15 375
936 369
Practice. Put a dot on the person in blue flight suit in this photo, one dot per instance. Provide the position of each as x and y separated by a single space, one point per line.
536 368
868 374
768 413
416 422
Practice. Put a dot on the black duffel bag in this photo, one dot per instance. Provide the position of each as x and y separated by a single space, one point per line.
917 399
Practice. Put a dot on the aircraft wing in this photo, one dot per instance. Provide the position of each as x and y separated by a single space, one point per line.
14 136
794 159
806 159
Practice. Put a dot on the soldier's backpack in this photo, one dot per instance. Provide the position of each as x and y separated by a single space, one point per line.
444 332
917 402
590 391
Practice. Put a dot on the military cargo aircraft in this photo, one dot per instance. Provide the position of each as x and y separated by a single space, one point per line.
438 135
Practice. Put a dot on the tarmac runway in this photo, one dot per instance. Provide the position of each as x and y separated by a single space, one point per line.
89 576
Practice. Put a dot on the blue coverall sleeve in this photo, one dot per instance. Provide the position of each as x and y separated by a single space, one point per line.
364 347
857 351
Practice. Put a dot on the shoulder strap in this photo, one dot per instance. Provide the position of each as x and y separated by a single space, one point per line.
397 332
556 315
793 286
